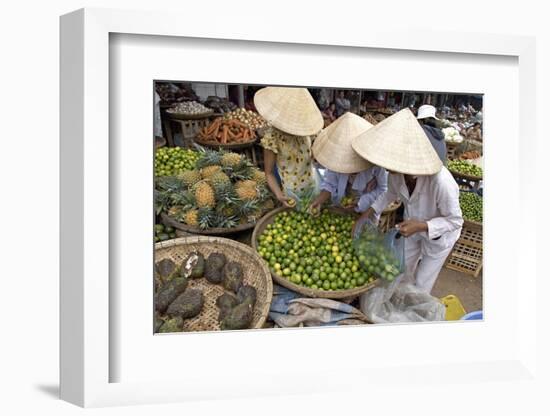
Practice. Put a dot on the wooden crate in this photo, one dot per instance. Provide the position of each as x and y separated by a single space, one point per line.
451 149
467 254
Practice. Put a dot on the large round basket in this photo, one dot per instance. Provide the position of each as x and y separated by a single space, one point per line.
234 146
209 231
311 293
183 116
256 274
466 177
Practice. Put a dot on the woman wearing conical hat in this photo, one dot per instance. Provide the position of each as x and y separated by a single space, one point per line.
348 176
432 217
293 117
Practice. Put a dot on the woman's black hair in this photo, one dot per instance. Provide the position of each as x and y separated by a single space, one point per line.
477 123
430 121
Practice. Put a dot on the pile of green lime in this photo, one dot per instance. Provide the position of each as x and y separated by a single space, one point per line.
315 252
465 168
164 232
471 205
375 257
170 161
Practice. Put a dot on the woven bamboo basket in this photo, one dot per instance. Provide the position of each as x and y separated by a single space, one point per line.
256 274
182 116
466 177
388 217
467 253
209 231
230 146
311 293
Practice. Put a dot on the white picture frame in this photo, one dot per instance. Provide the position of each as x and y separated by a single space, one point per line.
85 352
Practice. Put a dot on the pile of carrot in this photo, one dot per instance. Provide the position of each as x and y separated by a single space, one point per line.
227 132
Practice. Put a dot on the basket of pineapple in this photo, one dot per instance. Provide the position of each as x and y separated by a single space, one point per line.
224 194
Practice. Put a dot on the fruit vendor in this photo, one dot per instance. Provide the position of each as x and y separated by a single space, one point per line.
350 181
294 118
432 218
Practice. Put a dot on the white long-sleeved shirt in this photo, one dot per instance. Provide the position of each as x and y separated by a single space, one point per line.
434 200
336 184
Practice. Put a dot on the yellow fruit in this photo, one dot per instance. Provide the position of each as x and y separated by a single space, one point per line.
246 190
291 202
204 194
208 171
175 211
219 179
192 217
231 159
259 176
190 177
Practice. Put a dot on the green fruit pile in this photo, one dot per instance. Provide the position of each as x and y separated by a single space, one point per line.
315 252
465 168
170 161
375 257
471 205
164 232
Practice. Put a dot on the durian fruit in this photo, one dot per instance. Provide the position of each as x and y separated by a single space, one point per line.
225 303
246 190
247 294
193 266
233 276
213 268
166 269
231 159
191 217
187 305
158 322
190 177
258 176
174 324
204 195
219 180
240 317
169 292
208 171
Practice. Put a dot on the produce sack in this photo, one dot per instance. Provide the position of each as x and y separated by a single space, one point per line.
380 254
400 301
290 309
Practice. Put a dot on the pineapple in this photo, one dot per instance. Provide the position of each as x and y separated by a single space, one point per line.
175 211
259 176
208 158
204 195
209 171
218 180
246 190
231 159
189 177
191 217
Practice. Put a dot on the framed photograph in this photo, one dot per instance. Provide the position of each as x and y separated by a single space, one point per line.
239 215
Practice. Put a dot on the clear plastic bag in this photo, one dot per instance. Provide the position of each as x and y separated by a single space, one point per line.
400 301
380 254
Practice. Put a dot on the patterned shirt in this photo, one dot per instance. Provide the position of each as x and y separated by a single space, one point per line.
294 158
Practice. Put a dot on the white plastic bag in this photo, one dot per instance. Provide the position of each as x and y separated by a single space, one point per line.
400 301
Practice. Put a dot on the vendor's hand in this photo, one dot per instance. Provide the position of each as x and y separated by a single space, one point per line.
410 227
283 199
371 186
315 207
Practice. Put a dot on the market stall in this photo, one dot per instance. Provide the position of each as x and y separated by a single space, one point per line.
211 196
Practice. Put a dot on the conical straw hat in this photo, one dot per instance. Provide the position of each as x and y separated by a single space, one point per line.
332 147
291 110
399 144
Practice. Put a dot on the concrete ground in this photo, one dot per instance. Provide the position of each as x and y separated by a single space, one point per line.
468 289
